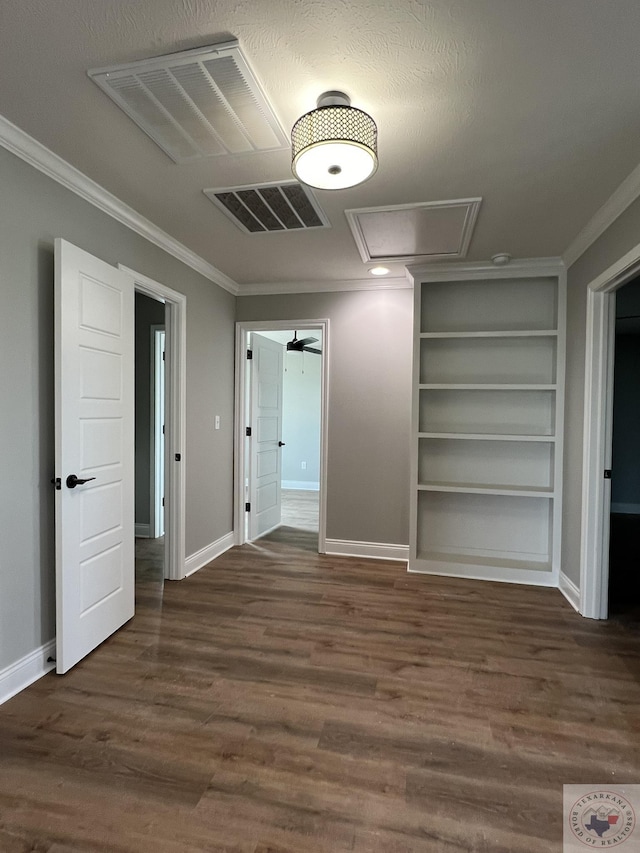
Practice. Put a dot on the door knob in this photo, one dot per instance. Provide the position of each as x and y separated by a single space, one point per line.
281 444
73 481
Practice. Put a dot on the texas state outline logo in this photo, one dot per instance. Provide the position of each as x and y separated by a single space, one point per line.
601 818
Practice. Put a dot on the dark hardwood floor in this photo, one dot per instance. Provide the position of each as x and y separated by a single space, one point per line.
279 701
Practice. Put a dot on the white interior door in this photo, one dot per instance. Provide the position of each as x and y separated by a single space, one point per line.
94 432
265 420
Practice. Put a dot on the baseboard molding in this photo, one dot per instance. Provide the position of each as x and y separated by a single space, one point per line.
208 553
626 509
142 531
301 485
23 672
570 591
368 550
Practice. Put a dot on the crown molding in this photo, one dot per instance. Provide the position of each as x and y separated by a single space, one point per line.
19 142
614 206
521 268
273 288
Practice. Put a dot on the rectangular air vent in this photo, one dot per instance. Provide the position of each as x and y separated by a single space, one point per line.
284 206
196 103
432 230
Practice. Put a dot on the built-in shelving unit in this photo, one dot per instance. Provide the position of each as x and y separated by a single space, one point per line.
487 420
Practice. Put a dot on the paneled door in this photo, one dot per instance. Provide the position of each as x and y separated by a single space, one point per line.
94 449
265 420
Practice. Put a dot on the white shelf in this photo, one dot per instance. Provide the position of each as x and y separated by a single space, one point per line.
533 333
493 386
481 436
479 489
488 368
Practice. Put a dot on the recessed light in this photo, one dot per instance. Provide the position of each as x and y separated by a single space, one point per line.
501 259
379 271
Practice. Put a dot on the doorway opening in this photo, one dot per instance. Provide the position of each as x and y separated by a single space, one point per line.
624 526
150 396
174 481
598 434
281 428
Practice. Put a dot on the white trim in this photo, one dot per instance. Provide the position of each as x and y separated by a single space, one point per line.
37 155
269 288
176 419
604 217
240 464
19 675
570 591
625 508
478 270
367 550
205 555
301 485
598 416
142 531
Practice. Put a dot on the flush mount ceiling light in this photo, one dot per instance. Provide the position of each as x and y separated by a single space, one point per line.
334 146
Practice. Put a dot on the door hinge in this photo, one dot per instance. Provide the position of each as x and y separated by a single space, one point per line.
163 355
247 507
178 457
607 473
249 354
162 501
163 429
57 482
248 431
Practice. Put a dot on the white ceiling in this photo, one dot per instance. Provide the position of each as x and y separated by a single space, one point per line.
533 105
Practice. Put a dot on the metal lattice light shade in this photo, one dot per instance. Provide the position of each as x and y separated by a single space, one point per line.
334 146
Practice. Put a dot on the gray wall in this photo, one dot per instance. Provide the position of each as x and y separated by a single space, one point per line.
369 405
149 312
617 240
35 210
301 397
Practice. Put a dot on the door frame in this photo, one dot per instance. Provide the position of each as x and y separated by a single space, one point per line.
243 329
598 432
156 422
176 417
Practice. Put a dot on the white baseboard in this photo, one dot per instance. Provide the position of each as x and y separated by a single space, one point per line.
142 531
626 509
23 672
569 590
301 485
208 553
368 550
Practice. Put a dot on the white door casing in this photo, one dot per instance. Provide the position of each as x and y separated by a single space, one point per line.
94 439
265 419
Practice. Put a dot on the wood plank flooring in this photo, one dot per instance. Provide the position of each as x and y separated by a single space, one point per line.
300 509
279 701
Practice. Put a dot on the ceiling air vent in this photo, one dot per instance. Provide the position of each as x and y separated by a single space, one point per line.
196 103
287 206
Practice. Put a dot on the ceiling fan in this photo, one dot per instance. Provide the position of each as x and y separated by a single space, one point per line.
302 345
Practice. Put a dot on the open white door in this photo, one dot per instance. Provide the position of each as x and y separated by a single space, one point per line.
265 420
94 424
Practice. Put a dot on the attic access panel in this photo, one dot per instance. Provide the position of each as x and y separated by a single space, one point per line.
433 230
197 103
270 207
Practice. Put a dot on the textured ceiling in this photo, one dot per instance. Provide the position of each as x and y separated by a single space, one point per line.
534 106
